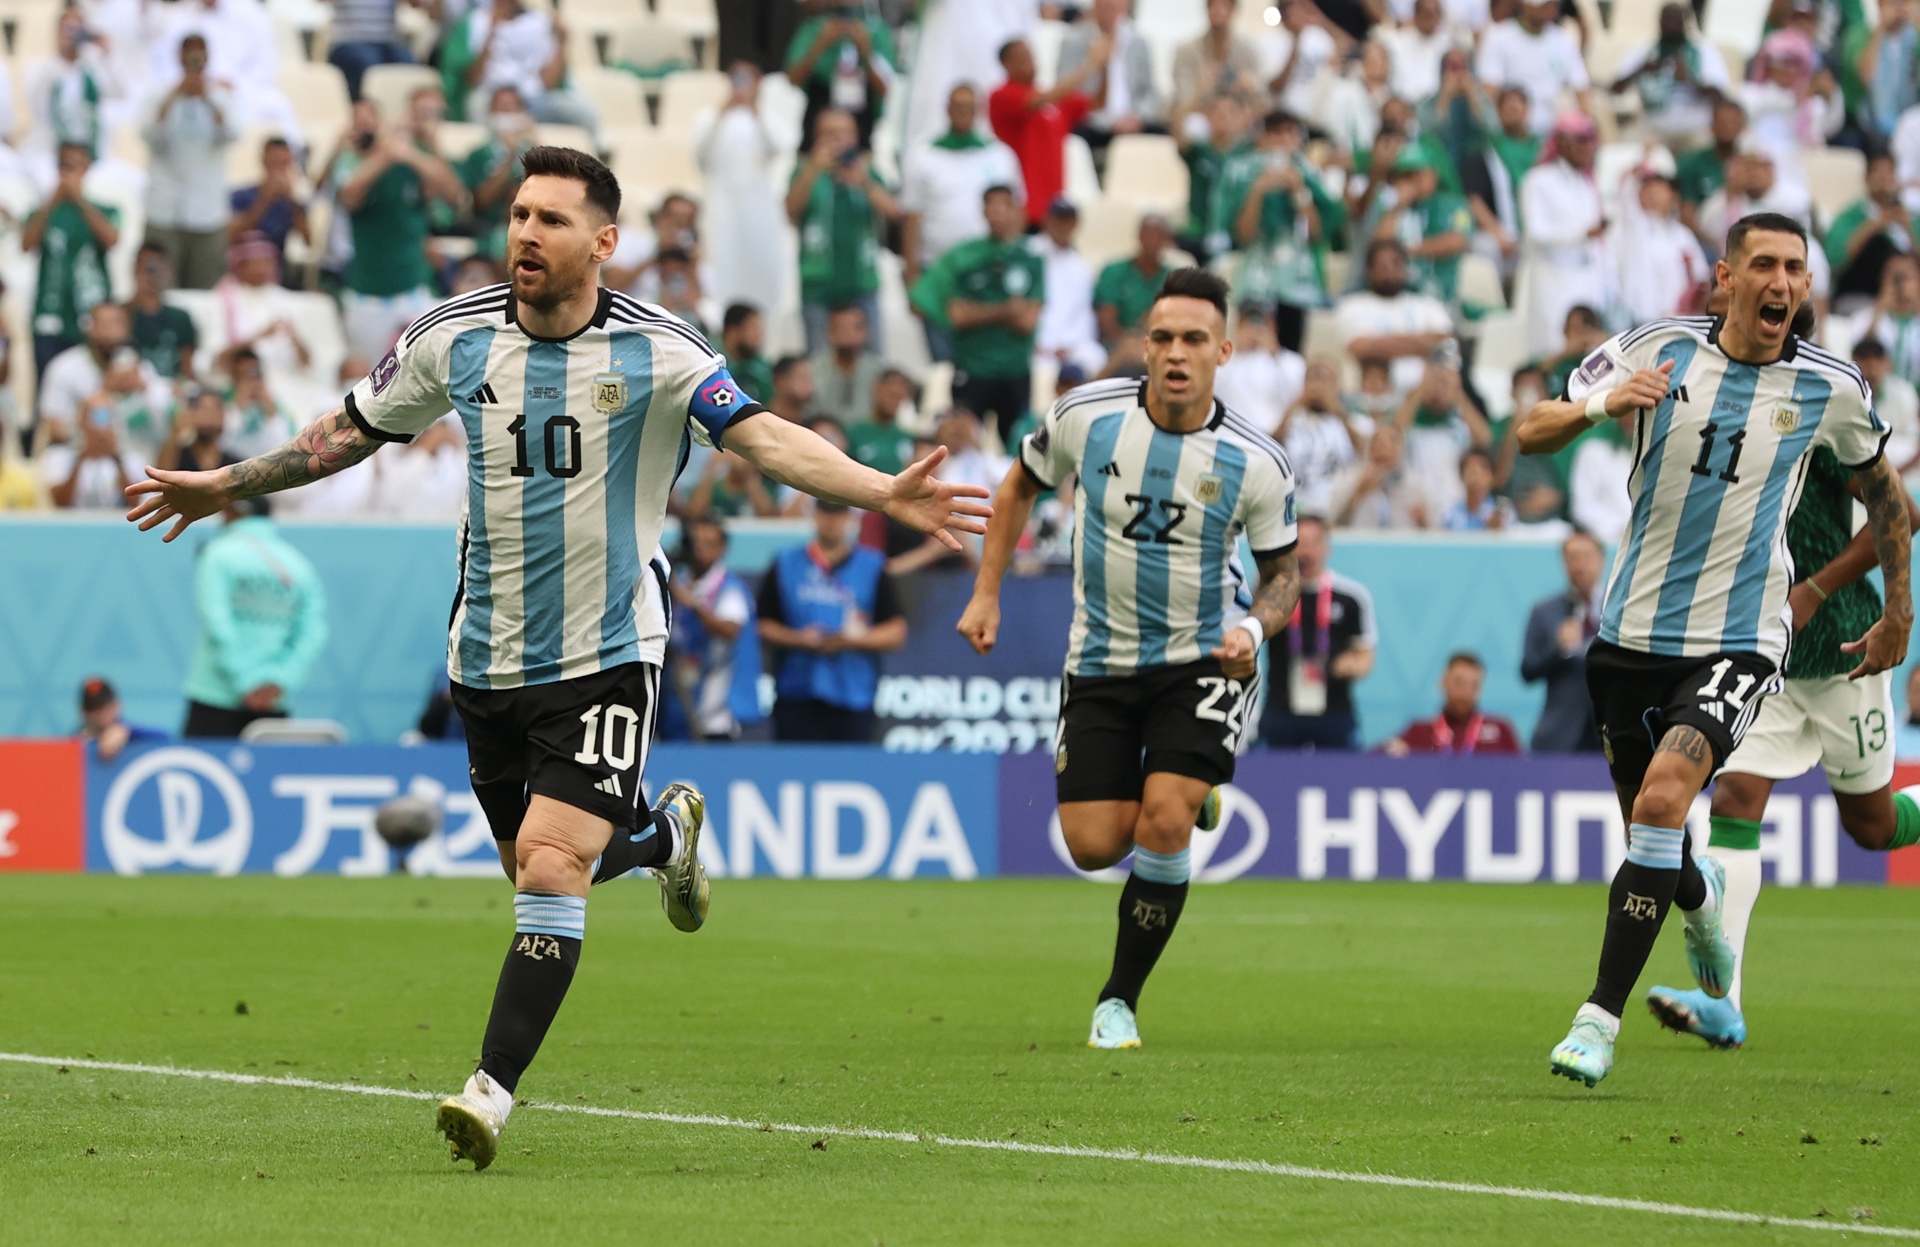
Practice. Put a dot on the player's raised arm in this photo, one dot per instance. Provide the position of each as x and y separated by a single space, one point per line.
801 459
328 445
1012 506
1555 422
1885 645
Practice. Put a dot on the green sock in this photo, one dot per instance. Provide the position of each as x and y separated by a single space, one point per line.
1906 821
1744 833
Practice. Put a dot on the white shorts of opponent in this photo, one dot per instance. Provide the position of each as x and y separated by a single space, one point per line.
1846 726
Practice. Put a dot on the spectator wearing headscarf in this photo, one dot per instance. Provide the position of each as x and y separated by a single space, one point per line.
1564 232
1793 106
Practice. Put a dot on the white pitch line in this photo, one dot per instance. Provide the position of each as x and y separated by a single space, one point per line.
1261 1167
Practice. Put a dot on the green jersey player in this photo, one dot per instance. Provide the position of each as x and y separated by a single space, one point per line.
1822 716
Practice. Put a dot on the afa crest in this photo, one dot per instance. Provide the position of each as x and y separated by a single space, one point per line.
609 392
1208 489
1786 418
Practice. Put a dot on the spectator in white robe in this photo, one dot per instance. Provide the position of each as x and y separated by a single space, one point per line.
1679 76
1068 331
1793 106
960 41
1532 51
254 310
1349 108
1659 264
746 225
1564 233
1263 379
1416 47
70 97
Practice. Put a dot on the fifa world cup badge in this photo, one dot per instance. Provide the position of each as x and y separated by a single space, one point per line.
609 392
1786 418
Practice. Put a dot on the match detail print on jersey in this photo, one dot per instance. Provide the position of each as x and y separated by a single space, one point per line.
572 450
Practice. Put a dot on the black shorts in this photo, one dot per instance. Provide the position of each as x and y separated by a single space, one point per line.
583 742
1637 697
1116 730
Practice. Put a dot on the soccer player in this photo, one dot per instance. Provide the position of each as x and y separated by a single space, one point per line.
1161 660
578 404
1846 725
1695 626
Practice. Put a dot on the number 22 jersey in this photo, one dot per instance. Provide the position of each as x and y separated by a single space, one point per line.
572 449
1157 517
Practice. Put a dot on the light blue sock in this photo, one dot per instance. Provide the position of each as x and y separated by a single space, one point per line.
1161 867
534 914
1657 848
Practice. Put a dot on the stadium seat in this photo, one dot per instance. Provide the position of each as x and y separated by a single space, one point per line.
649 164
615 95
243 155
687 94
1338 267
1323 336
1503 342
1605 51
1109 229
577 137
1480 282
1735 23
696 17
1178 19
1736 59
1837 176
459 139
1256 19
1636 20
1083 180
319 95
1146 169
1045 387
936 392
32 27
650 48
390 86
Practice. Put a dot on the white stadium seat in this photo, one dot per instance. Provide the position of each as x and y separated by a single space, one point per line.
318 92
390 86
1480 282
1109 229
615 95
459 139
649 164
1083 180
696 17
1146 169
687 94
650 47
1837 176
577 137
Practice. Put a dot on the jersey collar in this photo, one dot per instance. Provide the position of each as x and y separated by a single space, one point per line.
1219 413
1787 351
598 321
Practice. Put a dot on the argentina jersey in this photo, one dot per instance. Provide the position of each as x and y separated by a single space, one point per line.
1718 467
572 449
1157 518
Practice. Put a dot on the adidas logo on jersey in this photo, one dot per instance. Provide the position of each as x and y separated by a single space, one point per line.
1112 469
611 786
482 395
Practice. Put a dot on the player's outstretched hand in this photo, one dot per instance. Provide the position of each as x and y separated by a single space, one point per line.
1643 389
1237 655
1882 649
980 623
182 497
928 505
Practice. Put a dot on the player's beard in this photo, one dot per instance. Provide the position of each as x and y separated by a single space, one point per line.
552 286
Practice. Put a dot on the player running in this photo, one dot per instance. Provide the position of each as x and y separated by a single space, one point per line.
1161 659
578 405
1695 624
1822 716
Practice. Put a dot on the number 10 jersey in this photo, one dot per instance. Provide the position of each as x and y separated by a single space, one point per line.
1157 518
1719 464
572 449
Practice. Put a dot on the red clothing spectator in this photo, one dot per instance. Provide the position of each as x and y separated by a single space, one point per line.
1035 123
1461 726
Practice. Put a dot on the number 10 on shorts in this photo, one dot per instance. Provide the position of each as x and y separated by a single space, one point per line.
614 734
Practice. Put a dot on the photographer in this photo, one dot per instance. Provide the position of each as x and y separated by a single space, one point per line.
188 129
843 60
839 205
1680 79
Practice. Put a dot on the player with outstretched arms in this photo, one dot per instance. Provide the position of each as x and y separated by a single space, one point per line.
1695 626
578 405
1161 661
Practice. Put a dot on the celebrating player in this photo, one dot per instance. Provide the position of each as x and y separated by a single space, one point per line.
1695 626
1822 716
578 403
1161 660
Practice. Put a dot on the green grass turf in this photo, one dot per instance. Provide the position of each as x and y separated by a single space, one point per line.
1392 1027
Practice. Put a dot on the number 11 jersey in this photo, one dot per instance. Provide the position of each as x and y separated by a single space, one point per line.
572 449
1157 517
1703 567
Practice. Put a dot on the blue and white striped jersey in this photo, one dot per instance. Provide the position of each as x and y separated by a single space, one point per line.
1718 468
572 449
1157 517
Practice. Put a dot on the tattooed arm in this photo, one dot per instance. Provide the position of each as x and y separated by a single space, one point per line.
328 445
1273 603
1885 645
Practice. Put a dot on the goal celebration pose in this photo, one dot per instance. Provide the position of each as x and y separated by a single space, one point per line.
1695 623
578 405
1161 660
1822 716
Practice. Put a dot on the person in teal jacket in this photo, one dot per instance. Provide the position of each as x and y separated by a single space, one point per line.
263 621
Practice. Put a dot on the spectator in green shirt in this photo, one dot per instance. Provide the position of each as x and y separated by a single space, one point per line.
879 441
1863 238
845 59
164 334
839 206
386 182
1273 206
1126 288
743 335
1436 226
70 235
1514 144
491 172
844 373
988 294
1698 174
1206 143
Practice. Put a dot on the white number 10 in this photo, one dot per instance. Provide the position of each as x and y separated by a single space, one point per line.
616 743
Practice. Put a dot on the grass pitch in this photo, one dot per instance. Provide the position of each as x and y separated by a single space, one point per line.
1395 1028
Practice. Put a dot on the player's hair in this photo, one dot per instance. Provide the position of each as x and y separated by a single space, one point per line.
737 314
786 364
1195 283
1869 348
1763 223
1466 656
603 190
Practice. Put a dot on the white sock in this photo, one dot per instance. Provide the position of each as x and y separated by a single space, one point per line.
1736 907
482 1087
1594 1011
